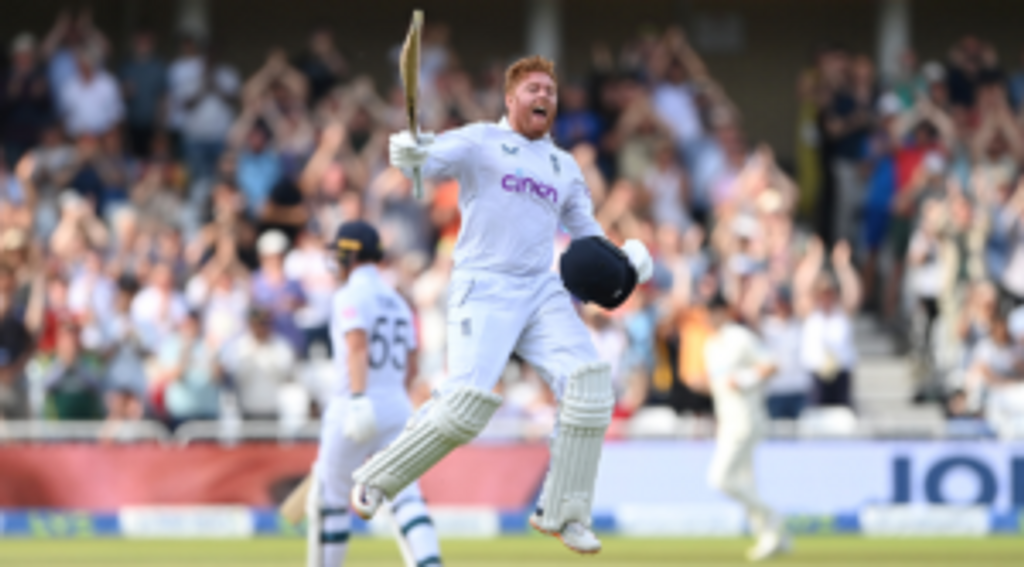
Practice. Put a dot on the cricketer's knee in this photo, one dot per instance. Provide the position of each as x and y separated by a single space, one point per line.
725 483
725 476
452 420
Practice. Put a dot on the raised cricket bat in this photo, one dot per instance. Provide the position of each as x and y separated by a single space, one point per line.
293 508
410 70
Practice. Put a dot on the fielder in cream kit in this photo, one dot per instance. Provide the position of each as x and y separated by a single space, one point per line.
516 190
738 366
374 344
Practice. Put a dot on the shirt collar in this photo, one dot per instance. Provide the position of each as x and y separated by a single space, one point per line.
364 271
504 124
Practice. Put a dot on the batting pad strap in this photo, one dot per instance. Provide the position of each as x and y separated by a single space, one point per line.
576 453
455 419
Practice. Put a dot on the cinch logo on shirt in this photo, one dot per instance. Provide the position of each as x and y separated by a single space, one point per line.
519 184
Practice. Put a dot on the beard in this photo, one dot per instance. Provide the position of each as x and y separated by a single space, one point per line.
530 125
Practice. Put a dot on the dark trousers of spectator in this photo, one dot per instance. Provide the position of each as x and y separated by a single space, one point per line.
924 327
786 406
140 139
847 201
13 152
670 390
824 225
177 142
315 335
930 310
14 399
174 422
1009 300
75 404
680 397
834 391
202 158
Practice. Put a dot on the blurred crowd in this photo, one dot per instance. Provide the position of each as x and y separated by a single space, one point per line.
922 173
163 222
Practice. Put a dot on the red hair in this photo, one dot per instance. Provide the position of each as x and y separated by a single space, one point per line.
518 71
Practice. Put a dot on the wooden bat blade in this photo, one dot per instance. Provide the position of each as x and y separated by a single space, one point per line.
293 508
410 68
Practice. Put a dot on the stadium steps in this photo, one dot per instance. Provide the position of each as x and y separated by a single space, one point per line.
883 387
883 378
872 340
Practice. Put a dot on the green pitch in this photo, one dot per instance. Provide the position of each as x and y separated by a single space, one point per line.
516 552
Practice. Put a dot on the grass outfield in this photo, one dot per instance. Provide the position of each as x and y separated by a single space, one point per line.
515 552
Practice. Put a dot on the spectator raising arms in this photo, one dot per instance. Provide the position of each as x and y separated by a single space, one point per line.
827 303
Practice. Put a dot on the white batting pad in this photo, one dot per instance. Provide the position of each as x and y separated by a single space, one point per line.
455 419
576 452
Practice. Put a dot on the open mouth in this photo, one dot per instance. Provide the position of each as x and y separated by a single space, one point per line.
540 111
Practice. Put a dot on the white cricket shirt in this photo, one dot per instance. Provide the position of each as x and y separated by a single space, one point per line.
366 302
827 341
734 349
514 193
783 339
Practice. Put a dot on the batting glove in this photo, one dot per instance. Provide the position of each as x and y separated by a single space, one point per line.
640 258
405 152
360 420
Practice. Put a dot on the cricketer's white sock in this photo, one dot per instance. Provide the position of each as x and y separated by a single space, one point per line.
335 528
417 530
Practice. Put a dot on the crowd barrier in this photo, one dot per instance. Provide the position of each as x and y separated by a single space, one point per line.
110 477
798 477
651 423
645 488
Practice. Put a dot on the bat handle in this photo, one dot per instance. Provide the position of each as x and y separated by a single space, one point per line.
417 183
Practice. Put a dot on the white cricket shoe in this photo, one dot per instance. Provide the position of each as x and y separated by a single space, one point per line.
574 535
366 500
770 545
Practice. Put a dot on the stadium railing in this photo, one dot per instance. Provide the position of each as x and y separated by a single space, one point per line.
44 431
231 432
652 423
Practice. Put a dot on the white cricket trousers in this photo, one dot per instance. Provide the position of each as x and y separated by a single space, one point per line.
732 472
490 316
339 456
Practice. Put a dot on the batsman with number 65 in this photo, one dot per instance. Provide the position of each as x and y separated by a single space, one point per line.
517 189
375 359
